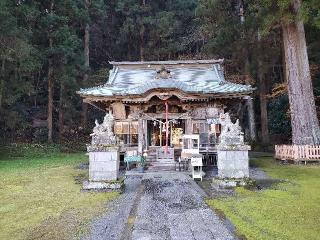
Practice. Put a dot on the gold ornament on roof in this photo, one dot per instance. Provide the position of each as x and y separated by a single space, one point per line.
163 73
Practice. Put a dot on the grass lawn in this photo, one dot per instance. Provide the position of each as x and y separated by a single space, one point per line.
287 210
40 197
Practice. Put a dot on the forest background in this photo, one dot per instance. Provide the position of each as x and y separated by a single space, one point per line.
49 49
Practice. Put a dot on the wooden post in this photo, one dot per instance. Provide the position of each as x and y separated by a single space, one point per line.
145 125
306 149
188 129
140 136
170 133
295 153
160 135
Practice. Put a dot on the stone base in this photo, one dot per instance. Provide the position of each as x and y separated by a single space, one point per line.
233 161
103 186
228 183
104 166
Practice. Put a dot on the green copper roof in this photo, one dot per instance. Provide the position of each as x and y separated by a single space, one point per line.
136 78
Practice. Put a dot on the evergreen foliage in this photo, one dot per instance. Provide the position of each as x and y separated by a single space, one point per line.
245 33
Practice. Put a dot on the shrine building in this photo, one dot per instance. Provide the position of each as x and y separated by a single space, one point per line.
155 103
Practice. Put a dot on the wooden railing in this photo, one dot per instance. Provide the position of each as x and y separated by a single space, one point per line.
298 153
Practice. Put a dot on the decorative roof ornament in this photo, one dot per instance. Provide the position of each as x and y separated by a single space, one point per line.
163 73
102 133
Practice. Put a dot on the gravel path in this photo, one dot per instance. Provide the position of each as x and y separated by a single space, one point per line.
111 225
162 206
172 207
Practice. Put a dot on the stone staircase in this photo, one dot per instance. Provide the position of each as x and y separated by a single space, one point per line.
154 164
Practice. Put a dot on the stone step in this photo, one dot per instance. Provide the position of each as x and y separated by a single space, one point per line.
165 160
161 168
162 163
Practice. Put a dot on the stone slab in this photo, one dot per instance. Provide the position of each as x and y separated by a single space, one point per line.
87 185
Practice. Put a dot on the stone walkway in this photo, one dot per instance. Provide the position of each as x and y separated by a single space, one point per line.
158 206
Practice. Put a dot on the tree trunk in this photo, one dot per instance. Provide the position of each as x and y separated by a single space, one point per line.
263 107
142 30
84 115
304 122
240 112
263 98
61 111
142 43
2 76
249 102
129 50
50 95
50 85
250 108
251 119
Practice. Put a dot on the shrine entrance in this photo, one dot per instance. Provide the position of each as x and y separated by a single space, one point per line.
166 122
156 132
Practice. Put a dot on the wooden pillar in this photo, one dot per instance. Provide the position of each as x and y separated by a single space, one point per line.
140 135
160 134
167 126
188 129
145 130
171 134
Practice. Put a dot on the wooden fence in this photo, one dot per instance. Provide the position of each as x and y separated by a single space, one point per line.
298 153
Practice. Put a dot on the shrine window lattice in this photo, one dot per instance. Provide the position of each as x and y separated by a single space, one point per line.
208 133
126 133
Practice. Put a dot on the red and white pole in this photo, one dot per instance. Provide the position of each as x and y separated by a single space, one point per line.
167 126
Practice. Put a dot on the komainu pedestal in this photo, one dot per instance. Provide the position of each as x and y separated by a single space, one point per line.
104 164
104 157
233 159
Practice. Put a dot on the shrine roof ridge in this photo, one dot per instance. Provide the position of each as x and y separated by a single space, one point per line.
170 62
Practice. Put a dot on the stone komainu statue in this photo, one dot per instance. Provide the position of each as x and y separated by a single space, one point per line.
231 132
102 133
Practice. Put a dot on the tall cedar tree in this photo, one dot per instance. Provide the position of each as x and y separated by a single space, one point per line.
289 15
